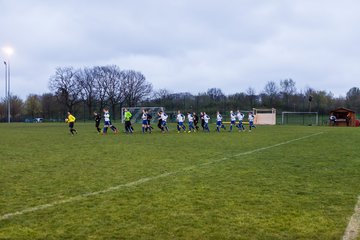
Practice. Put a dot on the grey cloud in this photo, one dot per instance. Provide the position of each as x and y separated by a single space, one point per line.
187 45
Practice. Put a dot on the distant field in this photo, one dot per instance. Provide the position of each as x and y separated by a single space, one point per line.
277 182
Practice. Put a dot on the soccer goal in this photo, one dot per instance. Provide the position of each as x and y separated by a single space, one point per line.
264 116
300 118
137 113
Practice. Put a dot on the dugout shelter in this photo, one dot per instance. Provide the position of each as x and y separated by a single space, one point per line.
344 117
264 116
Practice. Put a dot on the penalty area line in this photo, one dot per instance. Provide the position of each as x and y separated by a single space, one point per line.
140 181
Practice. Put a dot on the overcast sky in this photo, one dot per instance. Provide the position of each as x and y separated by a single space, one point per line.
186 45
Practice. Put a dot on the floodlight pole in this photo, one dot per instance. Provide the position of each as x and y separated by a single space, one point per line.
6 91
8 88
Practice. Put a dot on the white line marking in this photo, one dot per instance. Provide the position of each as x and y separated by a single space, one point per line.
140 181
352 229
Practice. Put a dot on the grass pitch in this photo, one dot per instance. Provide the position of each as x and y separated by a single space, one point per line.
276 182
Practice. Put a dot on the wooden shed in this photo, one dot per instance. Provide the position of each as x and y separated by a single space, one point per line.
344 117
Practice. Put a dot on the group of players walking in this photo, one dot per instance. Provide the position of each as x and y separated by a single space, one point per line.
193 120
236 119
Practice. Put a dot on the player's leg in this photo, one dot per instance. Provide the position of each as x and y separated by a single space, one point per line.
114 129
190 127
127 127
143 127
97 127
72 129
218 124
206 127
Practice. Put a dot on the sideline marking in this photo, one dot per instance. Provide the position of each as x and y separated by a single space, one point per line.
352 229
141 180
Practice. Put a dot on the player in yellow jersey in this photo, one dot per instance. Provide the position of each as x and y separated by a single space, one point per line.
71 120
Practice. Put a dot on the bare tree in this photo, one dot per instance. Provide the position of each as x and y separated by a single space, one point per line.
161 94
135 87
86 80
64 84
113 79
17 106
288 89
100 86
251 96
237 100
215 94
271 93
162 97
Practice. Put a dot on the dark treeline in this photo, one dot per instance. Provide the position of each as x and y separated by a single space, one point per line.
83 91
283 96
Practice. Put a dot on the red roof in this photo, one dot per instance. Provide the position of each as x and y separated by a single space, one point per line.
342 109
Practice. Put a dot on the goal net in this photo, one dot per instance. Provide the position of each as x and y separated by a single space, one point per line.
137 113
264 116
300 118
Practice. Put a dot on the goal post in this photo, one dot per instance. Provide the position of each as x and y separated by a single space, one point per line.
137 113
264 116
300 118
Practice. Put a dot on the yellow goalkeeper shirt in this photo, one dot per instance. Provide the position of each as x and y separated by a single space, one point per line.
71 118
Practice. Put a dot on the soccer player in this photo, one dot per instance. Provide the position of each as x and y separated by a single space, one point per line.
97 118
159 121
332 119
232 120
144 121
219 122
196 121
191 122
164 117
251 121
149 117
202 120
71 120
240 117
107 122
206 121
127 116
180 118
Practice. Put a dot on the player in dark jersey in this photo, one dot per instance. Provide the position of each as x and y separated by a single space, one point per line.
196 121
97 118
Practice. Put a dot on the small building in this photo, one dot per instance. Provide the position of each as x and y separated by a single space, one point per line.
344 117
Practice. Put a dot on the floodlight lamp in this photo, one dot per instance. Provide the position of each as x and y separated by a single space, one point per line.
8 51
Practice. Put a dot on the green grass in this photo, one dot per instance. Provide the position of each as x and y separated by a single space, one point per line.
305 189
